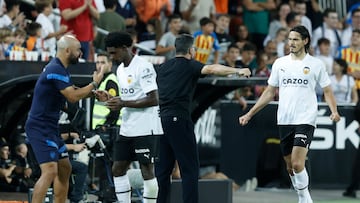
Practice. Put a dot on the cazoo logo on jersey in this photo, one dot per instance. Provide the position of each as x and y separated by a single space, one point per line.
127 90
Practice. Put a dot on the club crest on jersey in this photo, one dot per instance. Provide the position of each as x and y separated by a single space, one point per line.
129 79
306 70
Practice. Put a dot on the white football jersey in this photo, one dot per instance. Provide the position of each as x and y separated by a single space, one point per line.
135 81
296 80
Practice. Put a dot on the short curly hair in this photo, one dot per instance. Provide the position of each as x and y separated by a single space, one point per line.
118 39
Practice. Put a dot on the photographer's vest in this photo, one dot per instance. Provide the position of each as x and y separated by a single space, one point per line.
100 111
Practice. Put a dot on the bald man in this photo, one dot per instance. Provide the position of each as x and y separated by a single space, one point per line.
51 90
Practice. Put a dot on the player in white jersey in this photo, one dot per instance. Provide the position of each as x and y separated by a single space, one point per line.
140 117
296 76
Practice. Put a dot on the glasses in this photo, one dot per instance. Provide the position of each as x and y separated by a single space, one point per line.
100 62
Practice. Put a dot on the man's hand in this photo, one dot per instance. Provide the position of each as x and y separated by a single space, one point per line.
79 147
335 117
102 95
115 103
243 120
244 72
98 75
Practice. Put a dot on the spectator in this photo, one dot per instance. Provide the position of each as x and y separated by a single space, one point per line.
205 41
78 17
148 38
127 10
242 36
79 169
166 45
300 8
7 168
48 32
280 20
6 38
255 14
261 71
2 7
150 9
221 31
233 60
328 29
324 54
110 21
221 6
270 50
342 84
247 55
23 168
18 44
193 11
355 24
33 31
12 18
348 53
293 19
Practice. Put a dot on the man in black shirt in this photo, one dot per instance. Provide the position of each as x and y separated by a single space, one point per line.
177 79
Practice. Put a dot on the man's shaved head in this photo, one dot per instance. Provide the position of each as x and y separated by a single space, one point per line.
66 41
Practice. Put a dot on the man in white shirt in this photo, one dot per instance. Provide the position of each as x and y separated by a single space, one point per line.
329 30
48 33
140 117
300 8
296 76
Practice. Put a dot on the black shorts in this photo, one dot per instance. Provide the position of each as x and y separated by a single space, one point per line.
295 135
144 149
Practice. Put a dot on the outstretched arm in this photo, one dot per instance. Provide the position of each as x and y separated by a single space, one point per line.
217 69
265 98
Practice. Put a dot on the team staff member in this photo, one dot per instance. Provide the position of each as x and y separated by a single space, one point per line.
51 90
296 76
178 142
140 118
101 115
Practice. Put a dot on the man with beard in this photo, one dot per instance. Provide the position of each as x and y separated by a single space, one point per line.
296 76
51 90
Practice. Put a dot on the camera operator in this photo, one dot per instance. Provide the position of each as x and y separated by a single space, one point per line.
79 169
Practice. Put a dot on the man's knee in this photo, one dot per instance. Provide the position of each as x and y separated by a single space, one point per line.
119 168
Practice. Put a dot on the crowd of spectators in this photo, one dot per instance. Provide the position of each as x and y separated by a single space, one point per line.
247 33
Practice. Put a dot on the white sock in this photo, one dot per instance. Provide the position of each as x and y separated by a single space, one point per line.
122 189
302 183
292 178
150 190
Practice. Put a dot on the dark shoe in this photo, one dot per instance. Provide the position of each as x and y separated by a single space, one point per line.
351 194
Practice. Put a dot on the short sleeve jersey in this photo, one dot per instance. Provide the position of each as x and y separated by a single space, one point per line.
47 99
296 80
177 80
135 81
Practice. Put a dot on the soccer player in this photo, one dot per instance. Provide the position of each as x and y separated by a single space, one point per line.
141 123
296 76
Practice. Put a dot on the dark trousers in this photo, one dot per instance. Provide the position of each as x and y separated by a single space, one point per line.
79 170
178 143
